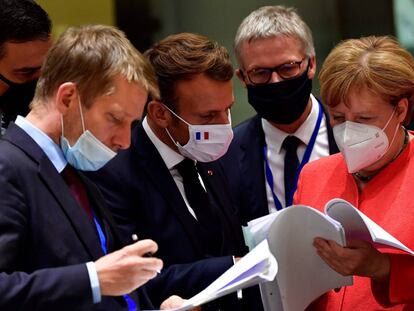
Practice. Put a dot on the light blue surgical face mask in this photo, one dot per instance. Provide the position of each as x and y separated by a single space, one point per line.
88 153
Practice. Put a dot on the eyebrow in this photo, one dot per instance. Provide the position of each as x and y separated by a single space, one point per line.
228 107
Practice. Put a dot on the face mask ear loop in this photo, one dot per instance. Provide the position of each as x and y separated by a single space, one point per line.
389 120
61 123
177 115
172 139
168 132
395 132
81 114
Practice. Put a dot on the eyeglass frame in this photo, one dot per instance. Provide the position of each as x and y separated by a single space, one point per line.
275 69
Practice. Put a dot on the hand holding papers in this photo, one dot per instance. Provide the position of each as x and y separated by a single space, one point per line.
302 275
358 226
257 266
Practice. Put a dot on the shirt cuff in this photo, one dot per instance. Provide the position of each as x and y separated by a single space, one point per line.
93 278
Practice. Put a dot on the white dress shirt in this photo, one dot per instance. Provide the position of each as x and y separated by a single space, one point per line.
276 154
171 159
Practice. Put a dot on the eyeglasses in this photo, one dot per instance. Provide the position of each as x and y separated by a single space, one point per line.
285 71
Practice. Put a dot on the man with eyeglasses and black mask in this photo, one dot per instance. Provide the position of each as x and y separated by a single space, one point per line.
276 57
24 42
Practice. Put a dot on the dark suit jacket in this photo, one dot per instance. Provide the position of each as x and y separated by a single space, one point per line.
244 167
45 236
145 200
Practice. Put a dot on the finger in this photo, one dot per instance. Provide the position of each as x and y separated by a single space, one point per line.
172 302
148 263
142 247
146 275
358 244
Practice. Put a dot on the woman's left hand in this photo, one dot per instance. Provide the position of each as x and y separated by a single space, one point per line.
357 258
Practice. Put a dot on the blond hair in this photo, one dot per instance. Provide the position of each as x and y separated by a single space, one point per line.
91 57
272 21
378 64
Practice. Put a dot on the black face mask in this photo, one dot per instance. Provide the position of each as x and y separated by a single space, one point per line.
15 101
282 102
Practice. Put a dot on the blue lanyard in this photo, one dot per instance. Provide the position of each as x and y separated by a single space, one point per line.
131 303
306 156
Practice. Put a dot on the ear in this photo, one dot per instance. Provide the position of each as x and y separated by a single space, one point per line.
402 109
241 76
159 114
312 67
66 97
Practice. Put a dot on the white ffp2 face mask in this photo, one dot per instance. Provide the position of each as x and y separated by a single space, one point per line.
361 144
206 143
88 153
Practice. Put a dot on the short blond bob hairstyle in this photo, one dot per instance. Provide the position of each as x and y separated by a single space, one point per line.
378 64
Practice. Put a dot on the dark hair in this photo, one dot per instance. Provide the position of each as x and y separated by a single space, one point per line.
182 56
22 21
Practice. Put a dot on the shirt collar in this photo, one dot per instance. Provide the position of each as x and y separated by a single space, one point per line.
304 132
171 157
52 150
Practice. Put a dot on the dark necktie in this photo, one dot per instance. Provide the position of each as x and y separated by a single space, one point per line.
196 195
77 188
209 223
290 144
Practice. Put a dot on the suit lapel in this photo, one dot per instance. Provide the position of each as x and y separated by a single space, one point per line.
54 182
83 227
114 240
251 165
152 163
216 186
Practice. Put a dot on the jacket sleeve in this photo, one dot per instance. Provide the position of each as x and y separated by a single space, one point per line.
399 289
186 280
61 288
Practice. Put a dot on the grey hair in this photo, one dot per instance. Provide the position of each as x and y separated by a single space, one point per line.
271 21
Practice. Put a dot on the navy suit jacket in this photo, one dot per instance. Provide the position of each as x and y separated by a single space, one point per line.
244 167
145 200
45 236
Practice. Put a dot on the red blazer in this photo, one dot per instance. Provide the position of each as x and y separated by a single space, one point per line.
388 200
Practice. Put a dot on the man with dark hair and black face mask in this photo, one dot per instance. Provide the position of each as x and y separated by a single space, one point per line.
24 41
276 58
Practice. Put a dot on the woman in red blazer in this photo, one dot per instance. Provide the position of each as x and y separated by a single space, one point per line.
368 86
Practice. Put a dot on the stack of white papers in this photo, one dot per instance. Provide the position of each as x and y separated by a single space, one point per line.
257 266
303 275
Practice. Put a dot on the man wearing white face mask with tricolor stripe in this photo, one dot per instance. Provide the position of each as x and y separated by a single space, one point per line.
167 186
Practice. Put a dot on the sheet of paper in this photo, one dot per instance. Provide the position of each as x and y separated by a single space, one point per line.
257 266
257 229
303 275
359 226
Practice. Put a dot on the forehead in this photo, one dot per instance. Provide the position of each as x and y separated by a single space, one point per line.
127 99
362 101
203 93
28 54
270 52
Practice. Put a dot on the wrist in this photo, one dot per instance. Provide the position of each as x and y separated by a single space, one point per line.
382 271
